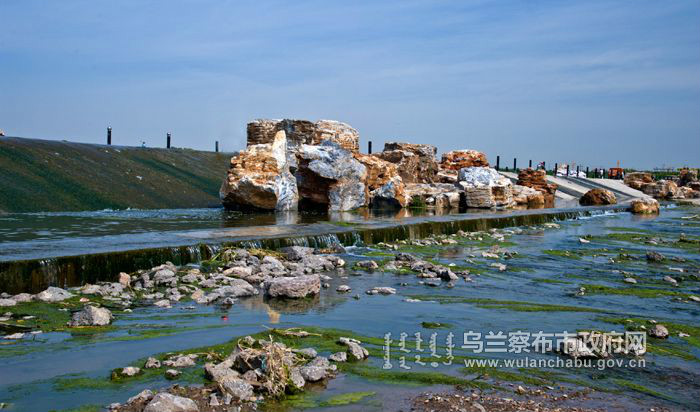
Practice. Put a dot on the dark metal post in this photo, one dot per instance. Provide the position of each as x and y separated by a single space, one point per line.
498 162
577 171
515 164
530 164
604 173
567 170
369 147
556 166
168 142
109 135
544 167
216 146
587 171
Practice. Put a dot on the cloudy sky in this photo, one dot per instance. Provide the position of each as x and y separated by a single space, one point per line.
592 82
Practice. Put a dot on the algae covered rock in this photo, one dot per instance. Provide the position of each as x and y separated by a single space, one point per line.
91 316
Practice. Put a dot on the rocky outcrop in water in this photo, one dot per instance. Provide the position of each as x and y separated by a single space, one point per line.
527 196
537 179
636 180
485 188
598 197
91 316
416 162
645 206
260 178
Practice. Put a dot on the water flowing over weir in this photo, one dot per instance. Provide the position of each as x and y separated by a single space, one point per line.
36 274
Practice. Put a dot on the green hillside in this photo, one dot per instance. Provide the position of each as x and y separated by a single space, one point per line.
45 175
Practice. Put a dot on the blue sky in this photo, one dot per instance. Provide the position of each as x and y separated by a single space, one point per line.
592 82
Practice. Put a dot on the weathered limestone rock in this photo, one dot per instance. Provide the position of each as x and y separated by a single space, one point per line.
53 294
686 192
441 196
384 185
636 180
459 159
296 287
299 132
330 176
644 206
7 303
537 179
662 189
260 178
658 331
527 196
598 197
91 316
485 188
166 402
687 176
416 162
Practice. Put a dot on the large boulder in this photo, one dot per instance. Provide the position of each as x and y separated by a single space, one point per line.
91 316
293 287
598 197
636 180
527 196
299 132
260 178
537 179
687 176
329 176
459 159
662 189
384 186
416 162
645 206
485 188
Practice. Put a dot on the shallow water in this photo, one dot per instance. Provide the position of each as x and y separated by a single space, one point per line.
34 375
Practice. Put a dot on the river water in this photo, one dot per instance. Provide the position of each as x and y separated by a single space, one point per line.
536 292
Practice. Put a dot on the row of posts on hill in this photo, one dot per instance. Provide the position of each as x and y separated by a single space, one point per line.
168 140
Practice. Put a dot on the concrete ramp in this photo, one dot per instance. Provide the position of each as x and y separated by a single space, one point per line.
570 188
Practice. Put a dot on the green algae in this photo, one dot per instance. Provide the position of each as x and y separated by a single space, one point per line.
562 253
553 281
435 325
410 378
674 328
518 306
84 408
642 389
346 399
632 291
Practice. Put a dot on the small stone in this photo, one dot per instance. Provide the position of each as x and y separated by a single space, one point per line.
694 298
91 316
143 396
339 357
671 280
307 352
630 280
521 390
343 289
581 240
658 331
164 303
152 363
130 371
53 294
14 336
367 264
124 279
172 373
166 402
7 302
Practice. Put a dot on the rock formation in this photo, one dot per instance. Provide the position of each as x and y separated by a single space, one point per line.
485 188
687 176
442 196
537 179
527 196
662 189
459 159
636 180
260 178
330 176
416 162
598 197
645 206
384 185
262 131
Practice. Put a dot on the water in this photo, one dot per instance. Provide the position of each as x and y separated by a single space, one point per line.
34 380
